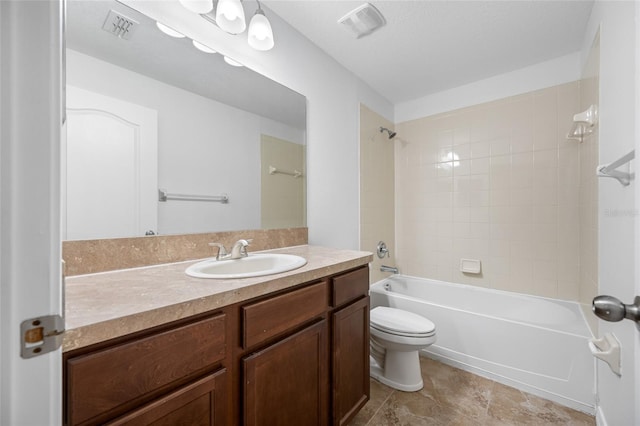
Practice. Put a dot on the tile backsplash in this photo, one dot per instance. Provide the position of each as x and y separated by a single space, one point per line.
498 182
90 256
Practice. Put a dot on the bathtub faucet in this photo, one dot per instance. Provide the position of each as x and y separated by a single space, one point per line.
392 269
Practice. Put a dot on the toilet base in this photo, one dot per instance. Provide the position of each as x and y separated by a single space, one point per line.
402 371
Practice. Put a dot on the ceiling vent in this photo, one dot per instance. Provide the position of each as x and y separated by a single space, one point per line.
363 20
119 25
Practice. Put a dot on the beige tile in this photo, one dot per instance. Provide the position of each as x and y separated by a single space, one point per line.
480 149
463 168
533 195
479 166
379 393
461 230
499 197
521 178
394 413
545 159
479 182
568 290
522 197
455 390
511 406
500 214
461 135
500 266
461 199
463 150
479 215
543 250
478 230
544 214
521 250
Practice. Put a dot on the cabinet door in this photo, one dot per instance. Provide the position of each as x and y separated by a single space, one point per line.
201 403
350 360
287 382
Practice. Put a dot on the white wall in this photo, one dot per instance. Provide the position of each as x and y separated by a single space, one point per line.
333 97
204 147
539 76
617 256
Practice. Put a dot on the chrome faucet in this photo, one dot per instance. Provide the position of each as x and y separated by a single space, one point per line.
238 251
222 252
385 268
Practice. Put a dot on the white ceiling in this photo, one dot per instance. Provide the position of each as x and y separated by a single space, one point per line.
429 46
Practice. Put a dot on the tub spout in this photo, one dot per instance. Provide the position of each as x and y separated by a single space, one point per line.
392 269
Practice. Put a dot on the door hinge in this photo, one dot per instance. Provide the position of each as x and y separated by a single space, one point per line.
41 335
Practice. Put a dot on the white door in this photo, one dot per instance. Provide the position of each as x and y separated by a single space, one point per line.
30 126
110 177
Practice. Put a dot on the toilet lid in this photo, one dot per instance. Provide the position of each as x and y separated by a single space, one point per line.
399 322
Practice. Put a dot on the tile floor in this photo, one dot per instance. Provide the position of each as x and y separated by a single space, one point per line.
455 397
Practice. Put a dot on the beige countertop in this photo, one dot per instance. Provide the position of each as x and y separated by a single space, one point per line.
103 306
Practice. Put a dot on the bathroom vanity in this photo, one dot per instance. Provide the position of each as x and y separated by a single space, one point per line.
154 346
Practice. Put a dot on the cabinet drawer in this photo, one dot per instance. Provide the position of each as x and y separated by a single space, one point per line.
350 286
268 318
113 380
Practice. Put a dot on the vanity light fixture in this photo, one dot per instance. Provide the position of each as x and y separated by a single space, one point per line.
260 33
229 16
169 31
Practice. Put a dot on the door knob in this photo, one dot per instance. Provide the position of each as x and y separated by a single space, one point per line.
611 309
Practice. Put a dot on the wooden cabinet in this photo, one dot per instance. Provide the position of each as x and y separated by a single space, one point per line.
287 382
297 357
350 360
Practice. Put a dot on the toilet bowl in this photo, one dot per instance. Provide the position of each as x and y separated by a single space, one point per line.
396 338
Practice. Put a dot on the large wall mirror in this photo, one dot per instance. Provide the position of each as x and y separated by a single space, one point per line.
167 138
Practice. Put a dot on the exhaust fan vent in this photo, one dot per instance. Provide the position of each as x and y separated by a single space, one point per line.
119 25
363 20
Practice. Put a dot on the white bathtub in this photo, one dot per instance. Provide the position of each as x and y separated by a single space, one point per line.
535 344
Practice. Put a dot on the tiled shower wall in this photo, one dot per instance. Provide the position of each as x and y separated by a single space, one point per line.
498 182
589 154
376 190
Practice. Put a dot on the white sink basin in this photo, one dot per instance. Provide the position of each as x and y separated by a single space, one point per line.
255 265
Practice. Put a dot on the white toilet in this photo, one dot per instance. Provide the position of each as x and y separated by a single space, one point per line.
396 338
